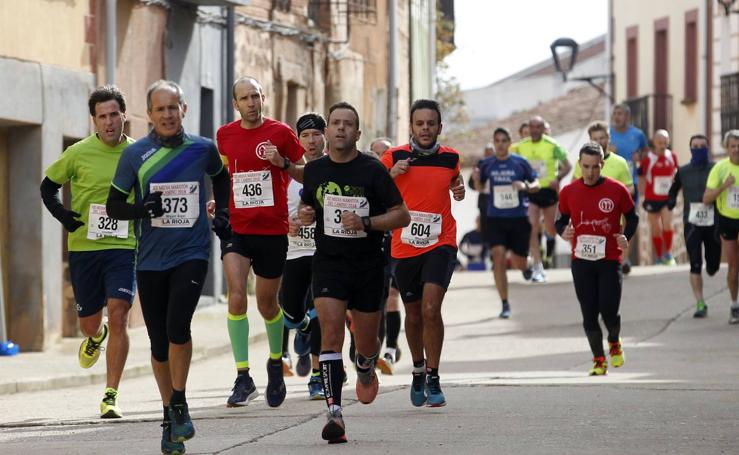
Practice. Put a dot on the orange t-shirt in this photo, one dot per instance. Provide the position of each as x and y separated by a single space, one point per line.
425 190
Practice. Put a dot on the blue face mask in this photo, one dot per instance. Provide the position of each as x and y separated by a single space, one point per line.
699 156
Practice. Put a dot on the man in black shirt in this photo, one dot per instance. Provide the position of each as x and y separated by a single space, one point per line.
353 200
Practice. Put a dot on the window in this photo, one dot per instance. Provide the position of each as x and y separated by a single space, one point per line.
282 5
691 57
729 102
206 113
632 62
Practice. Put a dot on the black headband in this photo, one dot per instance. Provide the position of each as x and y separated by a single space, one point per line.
311 122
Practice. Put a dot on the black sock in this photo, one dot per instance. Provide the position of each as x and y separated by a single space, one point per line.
550 246
432 371
178 396
166 413
315 371
244 372
393 329
504 301
285 340
332 375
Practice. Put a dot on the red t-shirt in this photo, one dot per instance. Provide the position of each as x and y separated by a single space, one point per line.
258 208
425 190
658 172
595 212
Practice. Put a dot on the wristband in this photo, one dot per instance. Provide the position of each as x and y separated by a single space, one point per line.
366 223
286 165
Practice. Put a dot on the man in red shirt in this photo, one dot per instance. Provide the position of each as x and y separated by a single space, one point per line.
591 210
424 252
658 169
261 155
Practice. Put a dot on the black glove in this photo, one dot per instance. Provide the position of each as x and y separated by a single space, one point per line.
153 205
69 221
222 225
671 203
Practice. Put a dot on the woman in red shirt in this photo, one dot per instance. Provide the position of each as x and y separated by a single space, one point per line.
658 169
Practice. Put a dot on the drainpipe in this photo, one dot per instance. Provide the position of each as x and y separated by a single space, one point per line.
110 41
230 33
392 85
610 86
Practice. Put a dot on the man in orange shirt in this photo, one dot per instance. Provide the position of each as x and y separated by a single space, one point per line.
424 252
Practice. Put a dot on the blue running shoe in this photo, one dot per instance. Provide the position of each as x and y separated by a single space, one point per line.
169 447
435 395
418 389
182 428
276 390
315 388
244 391
301 343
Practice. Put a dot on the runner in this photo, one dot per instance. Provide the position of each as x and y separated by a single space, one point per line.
549 160
721 188
591 211
261 152
352 200
425 252
166 172
483 197
630 143
391 319
614 166
101 254
523 131
511 179
658 170
699 219
296 298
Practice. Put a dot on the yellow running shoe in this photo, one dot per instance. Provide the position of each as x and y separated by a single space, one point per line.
90 349
108 407
600 367
616 353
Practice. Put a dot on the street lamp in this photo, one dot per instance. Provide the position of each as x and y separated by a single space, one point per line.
727 4
569 43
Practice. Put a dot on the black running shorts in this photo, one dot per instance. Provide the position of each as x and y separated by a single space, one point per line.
512 233
266 252
360 284
435 266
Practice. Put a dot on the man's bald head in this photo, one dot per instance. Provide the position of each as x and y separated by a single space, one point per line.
246 81
536 128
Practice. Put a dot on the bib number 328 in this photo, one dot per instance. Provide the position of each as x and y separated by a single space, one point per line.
100 225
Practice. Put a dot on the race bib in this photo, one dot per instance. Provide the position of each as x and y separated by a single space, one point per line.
540 167
334 206
305 240
253 189
423 231
181 203
732 197
505 197
590 247
700 214
100 225
662 185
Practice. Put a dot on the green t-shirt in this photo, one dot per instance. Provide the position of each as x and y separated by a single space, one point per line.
727 203
90 165
544 156
614 167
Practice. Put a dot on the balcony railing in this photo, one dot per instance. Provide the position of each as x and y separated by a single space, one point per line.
651 112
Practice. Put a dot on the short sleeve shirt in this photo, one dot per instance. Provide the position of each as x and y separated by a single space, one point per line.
596 212
89 166
544 156
499 174
425 190
363 183
180 173
615 167
628 142
264 213
727 202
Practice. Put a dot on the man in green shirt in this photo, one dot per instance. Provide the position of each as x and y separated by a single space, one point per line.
101 249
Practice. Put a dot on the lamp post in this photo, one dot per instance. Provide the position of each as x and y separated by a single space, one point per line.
566 67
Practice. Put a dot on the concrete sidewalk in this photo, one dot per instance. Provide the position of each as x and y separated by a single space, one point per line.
58 367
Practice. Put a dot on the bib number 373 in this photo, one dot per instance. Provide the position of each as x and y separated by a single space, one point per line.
181 203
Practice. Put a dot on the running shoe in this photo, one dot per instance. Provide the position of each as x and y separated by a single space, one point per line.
287 365
626 267
527 274
90 349
616 352
334 431
244 391
734 314
304 366
108 407
600 367
367 385
169 446
276 390
505 312
538 277
315 388
418 389
701 309
301 343
182 428
435 398
386 364
668 260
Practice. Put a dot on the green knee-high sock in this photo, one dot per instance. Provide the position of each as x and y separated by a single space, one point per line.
238 332
274 335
